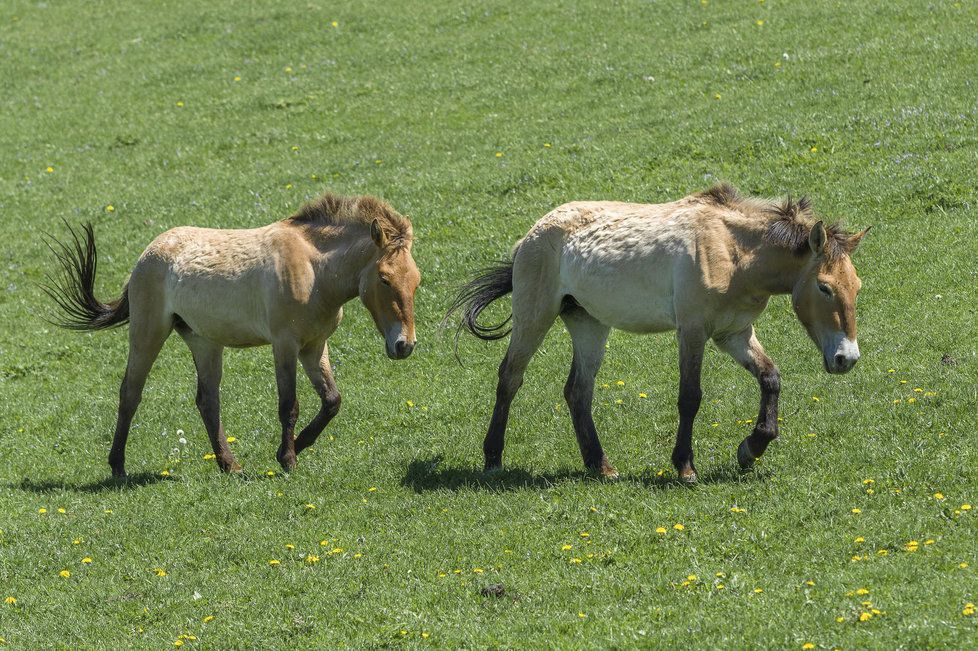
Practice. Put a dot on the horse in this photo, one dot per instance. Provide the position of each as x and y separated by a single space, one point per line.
283 284
704 266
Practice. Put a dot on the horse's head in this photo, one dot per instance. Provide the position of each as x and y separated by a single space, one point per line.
387 287
824 297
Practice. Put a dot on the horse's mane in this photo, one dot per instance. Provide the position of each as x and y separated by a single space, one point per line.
333 209
789 221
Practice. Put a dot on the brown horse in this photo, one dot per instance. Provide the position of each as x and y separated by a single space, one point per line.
704 265
283 284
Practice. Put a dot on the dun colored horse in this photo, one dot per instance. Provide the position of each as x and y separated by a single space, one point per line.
283 284
704 265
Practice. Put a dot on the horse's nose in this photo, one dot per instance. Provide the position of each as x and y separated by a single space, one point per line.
846 362
402 348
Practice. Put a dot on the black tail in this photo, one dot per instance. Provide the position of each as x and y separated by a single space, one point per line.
476 295
73 289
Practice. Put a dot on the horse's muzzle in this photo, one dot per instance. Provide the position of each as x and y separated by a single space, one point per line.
402 349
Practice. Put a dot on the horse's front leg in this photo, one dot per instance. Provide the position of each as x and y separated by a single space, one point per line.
692 342
747 350
288 405
315 361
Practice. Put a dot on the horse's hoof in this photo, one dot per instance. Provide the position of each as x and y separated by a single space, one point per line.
493 468
688 476
231 467
744 456
119 474
606 470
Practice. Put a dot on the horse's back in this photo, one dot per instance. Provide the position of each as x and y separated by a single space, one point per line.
222 283
619 261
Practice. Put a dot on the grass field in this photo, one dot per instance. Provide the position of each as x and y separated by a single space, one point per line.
475 119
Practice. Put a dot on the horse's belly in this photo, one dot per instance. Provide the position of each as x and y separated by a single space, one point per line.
635 303
224 312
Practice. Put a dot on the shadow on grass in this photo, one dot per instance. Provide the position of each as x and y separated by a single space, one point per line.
428 474
107 484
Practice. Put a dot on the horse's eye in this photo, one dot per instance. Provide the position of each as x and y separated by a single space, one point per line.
385 280
822 287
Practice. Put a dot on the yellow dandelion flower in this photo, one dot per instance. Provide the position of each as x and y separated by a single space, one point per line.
809 583
310 507
660 530
566 547
816 399
968 610
273 562
478 570
737 509
814 150
938 496
963 566
209 456
576 561
547 145
499 154
42 510
425 634
862 591
806 645
312 559
585 534
619 401
178 643
620 383
232 439
643 395
581 615
64 574
208 619
840 619
334 24
87 560
76 541
720 586
717 96
159 571
720 575
49 169
165 473
929 541
758 590
358 555
865 617
883 552
692 577
179 104
760 23
965 507
110 208
678 526
288 68
237 78
10 601
859 539
857 511
867 482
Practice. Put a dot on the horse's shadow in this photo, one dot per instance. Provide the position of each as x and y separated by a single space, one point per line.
430 474
101 486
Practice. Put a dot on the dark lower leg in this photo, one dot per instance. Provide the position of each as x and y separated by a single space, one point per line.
766 428
690 395
579 393
329 408
209 406
129 397
493 445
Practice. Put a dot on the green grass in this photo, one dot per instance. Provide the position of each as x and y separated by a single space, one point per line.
870 109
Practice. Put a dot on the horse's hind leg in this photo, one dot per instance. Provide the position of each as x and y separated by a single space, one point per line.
208 362
535 306
288 406
147 334
589 336
315 361
748 352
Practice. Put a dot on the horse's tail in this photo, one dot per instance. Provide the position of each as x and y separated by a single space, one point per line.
473 297
73 289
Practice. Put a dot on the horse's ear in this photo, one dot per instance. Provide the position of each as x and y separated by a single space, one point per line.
377 234
854 241
816 239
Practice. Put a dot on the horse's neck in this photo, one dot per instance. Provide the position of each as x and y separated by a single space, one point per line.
345 253
773 269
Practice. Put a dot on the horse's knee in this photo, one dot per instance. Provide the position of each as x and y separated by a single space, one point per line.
288 411
331 403
770 382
